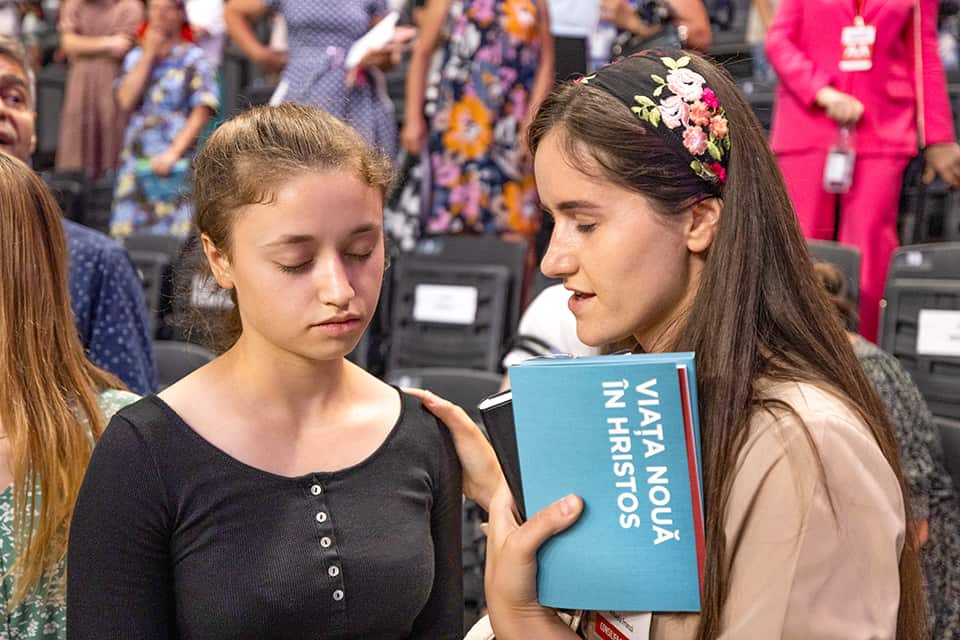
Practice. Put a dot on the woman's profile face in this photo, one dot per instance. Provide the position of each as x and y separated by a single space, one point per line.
627 267
308 265
165 15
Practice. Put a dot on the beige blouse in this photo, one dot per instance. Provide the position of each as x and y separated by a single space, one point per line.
799 569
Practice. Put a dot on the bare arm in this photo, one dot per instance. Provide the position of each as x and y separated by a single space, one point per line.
432 19
133 84
543 81
191 130
77 46
764 12
238 14
692 14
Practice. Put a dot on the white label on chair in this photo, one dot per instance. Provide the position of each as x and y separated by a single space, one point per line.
938 333
449 304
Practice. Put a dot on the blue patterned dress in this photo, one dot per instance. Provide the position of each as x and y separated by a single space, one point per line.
319 34
178 84
490 62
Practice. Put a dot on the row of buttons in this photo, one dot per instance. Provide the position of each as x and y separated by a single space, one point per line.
326 542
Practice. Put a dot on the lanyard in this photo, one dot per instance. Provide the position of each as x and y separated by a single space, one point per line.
859 8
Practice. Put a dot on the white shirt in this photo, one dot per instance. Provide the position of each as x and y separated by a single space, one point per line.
209 15
549 318
573 18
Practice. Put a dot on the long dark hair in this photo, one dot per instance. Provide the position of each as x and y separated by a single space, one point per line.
783 327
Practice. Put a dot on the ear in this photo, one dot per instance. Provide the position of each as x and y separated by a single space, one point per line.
703 225
219 262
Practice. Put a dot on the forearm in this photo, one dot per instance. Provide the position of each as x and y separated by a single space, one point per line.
76 46
545 625
133 84
416 84
191 130
764 12
238 26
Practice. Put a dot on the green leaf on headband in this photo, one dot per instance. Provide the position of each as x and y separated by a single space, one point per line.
658 90
726 141
645 101
670 63
658 79
684 61
713 150
697 167
655 117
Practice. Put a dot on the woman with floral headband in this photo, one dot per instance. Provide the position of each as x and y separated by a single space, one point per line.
674 230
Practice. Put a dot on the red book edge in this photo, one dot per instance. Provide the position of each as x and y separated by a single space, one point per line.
695 494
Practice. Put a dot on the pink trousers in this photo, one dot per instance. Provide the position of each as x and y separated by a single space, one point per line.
868 217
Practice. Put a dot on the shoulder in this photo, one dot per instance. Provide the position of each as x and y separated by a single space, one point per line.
427 438
882 368
147 423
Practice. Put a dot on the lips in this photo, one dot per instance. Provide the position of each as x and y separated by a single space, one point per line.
337 320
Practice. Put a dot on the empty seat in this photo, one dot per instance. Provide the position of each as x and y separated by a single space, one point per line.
465 387
154 270
921 321
177 359
843 256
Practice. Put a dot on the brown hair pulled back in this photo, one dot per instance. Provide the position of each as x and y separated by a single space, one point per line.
759 312
245 161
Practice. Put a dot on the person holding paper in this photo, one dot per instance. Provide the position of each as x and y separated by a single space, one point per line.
280 491
685 240
319 38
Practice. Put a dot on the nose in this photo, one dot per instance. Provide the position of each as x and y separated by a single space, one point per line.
333 283
560 260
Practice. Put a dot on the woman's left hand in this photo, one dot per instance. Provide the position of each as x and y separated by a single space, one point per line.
161 164
619 12
943 159
510 582
481 471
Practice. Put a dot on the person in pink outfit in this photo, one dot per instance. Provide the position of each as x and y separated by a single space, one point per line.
816 97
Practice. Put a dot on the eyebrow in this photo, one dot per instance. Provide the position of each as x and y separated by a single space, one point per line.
9 79
570 205
305 238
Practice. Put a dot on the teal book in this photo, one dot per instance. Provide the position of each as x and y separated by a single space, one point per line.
622 432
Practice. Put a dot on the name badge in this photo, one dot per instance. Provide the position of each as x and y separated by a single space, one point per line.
618 625
857 43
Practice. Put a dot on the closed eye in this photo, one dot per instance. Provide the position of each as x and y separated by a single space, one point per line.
297 268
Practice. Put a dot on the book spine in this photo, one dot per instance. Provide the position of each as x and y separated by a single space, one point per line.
694 473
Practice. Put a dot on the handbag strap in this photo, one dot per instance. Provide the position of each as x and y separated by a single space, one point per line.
918 74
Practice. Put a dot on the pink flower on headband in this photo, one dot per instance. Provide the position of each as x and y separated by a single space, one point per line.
695 140
700 113
718 126
685 83
710 98
717 169
674 112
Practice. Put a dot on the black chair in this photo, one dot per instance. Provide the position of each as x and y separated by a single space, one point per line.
176 359
447 315
950 438
843 256
98 203
928 213
154 270
69 188
465 387
51 87
925 279
483 250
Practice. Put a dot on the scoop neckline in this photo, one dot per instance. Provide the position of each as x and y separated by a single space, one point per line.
234 461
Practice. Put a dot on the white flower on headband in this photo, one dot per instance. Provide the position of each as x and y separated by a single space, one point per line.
674 111
685 83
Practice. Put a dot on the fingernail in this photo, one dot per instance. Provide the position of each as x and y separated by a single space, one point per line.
567 504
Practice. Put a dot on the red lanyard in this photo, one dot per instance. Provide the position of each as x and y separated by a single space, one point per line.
860 8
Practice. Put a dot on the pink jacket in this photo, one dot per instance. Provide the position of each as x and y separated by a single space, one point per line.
803 45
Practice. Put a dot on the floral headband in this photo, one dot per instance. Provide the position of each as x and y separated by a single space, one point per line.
689 117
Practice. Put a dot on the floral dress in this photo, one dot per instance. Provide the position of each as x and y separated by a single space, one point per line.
489 63
178 84
43 613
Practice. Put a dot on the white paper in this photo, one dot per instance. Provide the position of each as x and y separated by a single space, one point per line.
377 38
448 304
938 333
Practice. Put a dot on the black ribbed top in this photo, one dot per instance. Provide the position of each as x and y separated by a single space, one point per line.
174 538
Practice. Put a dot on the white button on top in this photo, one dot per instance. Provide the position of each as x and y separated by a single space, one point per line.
316 489
321 517
338 595
334 571
325 542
